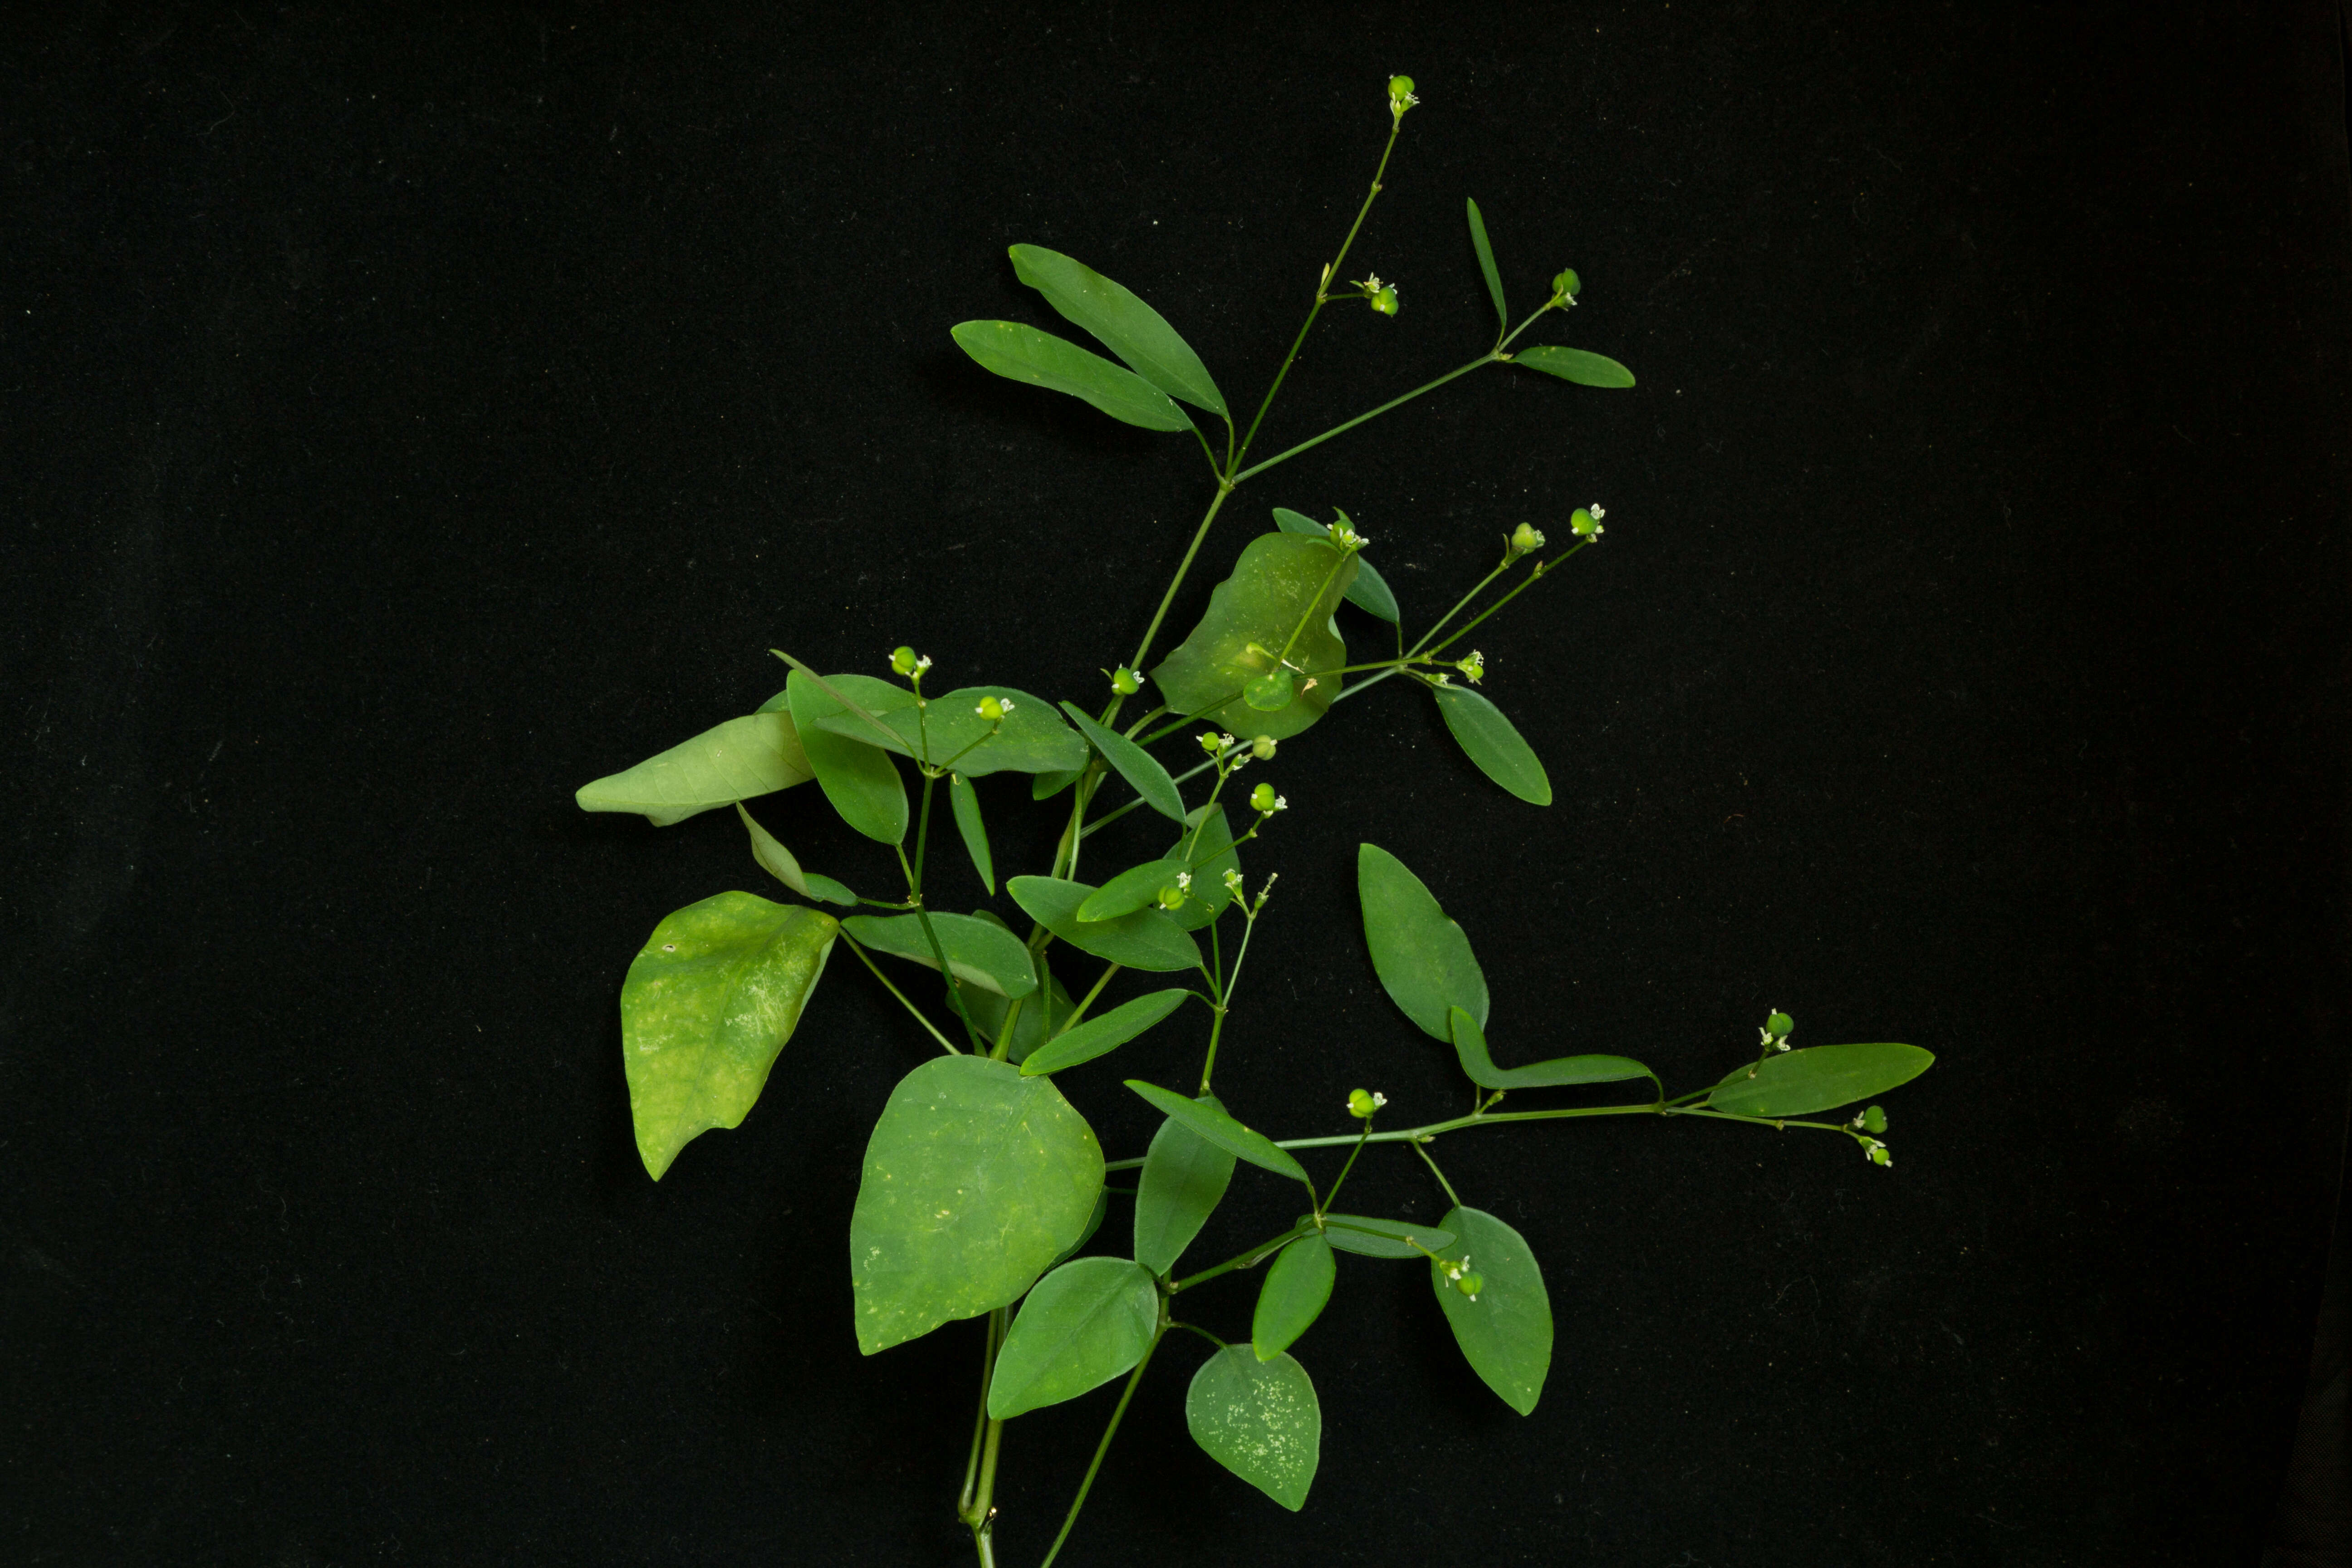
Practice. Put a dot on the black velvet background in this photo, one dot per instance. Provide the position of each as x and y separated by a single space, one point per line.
408 421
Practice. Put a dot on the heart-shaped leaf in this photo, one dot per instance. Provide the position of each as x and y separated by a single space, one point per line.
1422 958
1470 1044
1489 740
753 756
1084 1324
1576 365
1282 584
978 950
1819 1078
1084 1042
1124 324
1297 1287
1209 1120
709 1003
1505 1334
1184 1177
1258 1419
1041 359
975 1180
1145 940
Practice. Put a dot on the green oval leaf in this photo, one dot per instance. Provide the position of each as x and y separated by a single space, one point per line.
1207 848
1576 365
1281 583
975 1180
1258 1419
949 730
975 832
1084 1324
978 950
1370 592
1084 1042
1209 1120
753 756
1131 890
1145 940
1381 1238
1124 324
709 1001
1046 786
1041 359
1184 1178
778 862
1470 1044
1295 1288
1486 264
1489 741
1422 958
1042 1011
1505 1334
1138 767
1819 1078
860 780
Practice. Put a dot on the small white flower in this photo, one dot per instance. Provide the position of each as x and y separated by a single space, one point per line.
1597 511
1280 804
1183 882
1232 882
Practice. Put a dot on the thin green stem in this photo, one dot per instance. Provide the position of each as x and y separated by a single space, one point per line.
1460 604
914 873
1249 1259
1250 472
1340 1180
1143 650
1543 569
1103 1447
1085 1002
1438 1174
995 1336
931 1028
1195 1328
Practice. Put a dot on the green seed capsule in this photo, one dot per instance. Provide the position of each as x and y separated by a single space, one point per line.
1262 798
1470 1285
1400 87
1875 1120
1527 537
1567 284
1125 681
1781 1025
902 659
1580 523
1385 302
1263 748
1359 1101
1172 897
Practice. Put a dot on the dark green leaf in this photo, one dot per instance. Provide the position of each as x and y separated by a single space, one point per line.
1819 1078
1084 1324
1505 1334
1422 958
1489 741
1258 1419
1370 592
1131 890
1031 739
1470 1044
1292 1297
1145 940
1381 1238
1084 1042
1184 1178
975 1180
1138 767
860 780
1094 1223
1282 584
709 1001
1046 786
1486 265
1041 359
979 952
1211 1121
966 802
1035 1020
1210 845
1576 365
1125 325
778 862
744 757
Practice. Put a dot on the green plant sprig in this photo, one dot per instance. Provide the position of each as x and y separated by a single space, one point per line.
982 1184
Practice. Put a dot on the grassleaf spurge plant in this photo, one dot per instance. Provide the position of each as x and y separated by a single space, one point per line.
981 1180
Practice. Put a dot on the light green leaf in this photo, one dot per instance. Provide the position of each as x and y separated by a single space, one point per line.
744 757
1260 1420
1209 1120
1576 365
975 1180
1505 1334
1381 1238
1036 1021
1293 1296
709 1003
860 780
1125 325
979 951
1084 1324
1041 359
1422 958
1819 1078
778 862
1031 738
1138 767
1145 940
1282 582
1486 265
1184 1178
966 802
1470 1044
1084 1042
1211 847
1370 592
1489 741
1131 890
